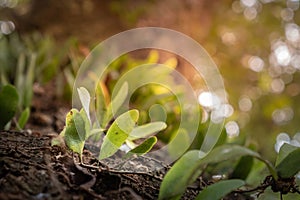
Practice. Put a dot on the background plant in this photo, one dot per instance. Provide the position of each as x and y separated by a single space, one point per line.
28 60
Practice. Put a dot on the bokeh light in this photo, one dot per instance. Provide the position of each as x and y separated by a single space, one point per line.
7 27
209 100
245 104
256 63
232 129
283 138
282 116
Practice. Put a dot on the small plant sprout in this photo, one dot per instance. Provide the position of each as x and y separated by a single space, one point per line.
185 171
123 131
8 104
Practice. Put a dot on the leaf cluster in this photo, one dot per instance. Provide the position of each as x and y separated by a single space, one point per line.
123 130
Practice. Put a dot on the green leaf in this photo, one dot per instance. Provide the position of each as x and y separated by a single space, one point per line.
285 150
100 103
20 78
143 148
181 173
70 78
243 168
80 124
85 99
257 172
28 92
289 166
116 103
188 168
220 189
8 104
146 130
87 124
24 118
157 113
74 131
118 132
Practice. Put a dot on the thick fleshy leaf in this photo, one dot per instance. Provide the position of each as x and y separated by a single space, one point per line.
145 147
101 103
80 125
220 189
182 173
8 104
146 130
85 100
285 150
225 152
188 168
243 168
74 131
116 103
117 133
87 124
24 118
289 166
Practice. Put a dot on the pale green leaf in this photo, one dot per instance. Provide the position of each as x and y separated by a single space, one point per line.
101 95
157 113
24 118
145 147
146 130
97 131
28 92
85 100
87 124
118 133
116 103
74 131
218 190
69 77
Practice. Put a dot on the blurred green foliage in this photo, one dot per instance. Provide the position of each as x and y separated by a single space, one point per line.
26 60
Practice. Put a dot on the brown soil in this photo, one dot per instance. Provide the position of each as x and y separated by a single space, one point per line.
32 169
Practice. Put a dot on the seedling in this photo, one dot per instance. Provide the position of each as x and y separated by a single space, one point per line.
186 170
123 130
